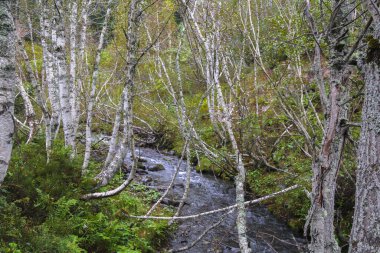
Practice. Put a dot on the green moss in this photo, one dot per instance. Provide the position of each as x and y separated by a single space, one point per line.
373 50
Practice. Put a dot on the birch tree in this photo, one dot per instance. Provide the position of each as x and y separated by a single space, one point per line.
48 68
59 53
212 47
8 82
39 96
73 67
91 101
127 141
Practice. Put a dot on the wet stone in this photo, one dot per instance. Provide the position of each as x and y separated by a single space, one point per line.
146 180
140 165
156 167
141 172
141 160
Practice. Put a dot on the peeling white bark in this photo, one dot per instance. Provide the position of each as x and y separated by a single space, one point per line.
75 113
48 64
64 87
8 82
134 19
91 99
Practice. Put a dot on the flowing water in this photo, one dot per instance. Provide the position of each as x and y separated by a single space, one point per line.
265 233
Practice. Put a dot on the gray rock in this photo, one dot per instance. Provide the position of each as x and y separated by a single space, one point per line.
141 166
146 180
141 160
141 172
156 167
170 202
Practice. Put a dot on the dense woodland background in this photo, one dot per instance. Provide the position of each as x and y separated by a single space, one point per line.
271 94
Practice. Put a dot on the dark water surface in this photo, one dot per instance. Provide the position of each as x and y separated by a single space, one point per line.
266 234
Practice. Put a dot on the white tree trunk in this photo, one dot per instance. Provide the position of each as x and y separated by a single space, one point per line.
29 110
91 99
53 90
134 18
82 63
40 97
8 81
64 89
211 44
115 133
73 67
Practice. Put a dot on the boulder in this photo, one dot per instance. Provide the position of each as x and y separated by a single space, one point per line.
141 172
156 167
147 180
141 166
141 160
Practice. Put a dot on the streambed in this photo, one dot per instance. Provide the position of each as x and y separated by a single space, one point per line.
265 232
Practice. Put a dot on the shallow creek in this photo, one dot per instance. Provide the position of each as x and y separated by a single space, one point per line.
266 233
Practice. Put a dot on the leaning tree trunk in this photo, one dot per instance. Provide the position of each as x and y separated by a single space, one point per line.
91 101
365 233
327 161
134 19
40 97
8 81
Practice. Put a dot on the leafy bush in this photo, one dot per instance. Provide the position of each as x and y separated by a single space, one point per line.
41 210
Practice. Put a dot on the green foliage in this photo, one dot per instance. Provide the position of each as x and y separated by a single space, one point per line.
291 207
41 210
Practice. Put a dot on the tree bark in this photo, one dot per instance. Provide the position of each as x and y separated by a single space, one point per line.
53 90
40 97
90 105
365 233
8 81
64 89
73 67
134 19
327 162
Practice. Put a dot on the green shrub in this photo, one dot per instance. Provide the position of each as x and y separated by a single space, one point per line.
41 210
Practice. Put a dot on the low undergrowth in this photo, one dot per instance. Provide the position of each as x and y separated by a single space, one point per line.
41 210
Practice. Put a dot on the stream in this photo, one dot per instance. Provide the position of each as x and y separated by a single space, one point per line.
265 232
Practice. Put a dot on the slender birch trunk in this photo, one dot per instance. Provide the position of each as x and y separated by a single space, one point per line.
64 88
134 19
91 101
40 97
48 64
73 67
185 128
30 114
241 221
365 233
211 44
82 63
8 82
115 132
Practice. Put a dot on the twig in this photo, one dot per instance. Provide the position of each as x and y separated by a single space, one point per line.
217 210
